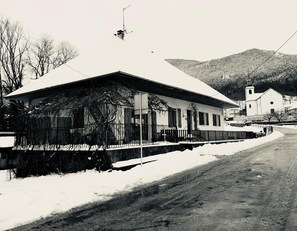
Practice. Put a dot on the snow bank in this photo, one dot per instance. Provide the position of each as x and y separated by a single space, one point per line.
231 148
7 141
228 127
29 199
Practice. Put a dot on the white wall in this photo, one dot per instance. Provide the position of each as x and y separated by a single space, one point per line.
271 99
251 108
248 96
162 118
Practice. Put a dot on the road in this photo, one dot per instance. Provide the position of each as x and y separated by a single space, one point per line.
252 190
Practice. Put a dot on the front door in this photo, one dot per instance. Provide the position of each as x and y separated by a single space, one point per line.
144 121
189 121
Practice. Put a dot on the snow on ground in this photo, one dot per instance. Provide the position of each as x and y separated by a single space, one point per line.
7 141
294 126
29 199
245 128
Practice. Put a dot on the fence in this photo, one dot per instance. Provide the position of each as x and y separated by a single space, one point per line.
119 135
175 135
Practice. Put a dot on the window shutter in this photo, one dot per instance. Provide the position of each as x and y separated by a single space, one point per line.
170 121
214 120
219 120
179 117
201 118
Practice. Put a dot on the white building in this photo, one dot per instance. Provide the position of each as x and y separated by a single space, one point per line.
192 104
267 102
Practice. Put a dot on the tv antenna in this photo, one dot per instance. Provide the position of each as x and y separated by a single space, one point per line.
121 33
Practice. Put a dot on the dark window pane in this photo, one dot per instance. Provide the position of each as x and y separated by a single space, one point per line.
201 118
179 117
78 118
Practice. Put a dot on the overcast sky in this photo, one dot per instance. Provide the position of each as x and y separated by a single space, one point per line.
192 29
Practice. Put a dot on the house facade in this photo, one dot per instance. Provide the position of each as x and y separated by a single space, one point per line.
189 105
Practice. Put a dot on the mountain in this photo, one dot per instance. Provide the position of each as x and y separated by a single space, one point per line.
229 75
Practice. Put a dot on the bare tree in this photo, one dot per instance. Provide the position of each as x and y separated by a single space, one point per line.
268 116
12 50
44 57
280 115
13 46
40 56
64 53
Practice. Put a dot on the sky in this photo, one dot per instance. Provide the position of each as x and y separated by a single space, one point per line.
31 198
189 29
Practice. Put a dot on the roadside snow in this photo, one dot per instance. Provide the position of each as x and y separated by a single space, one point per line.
288 126
29 199
245 128
7 141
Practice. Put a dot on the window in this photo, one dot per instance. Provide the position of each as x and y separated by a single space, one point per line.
179 117
174 117
250 106
216 119
271 102
78 118
3 156
250 92
195 120
129 116
171 117
203 118
272 111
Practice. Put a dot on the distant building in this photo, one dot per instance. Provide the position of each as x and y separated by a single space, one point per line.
290 103
267 102
230 113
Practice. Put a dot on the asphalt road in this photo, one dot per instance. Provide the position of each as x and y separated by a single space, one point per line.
252 190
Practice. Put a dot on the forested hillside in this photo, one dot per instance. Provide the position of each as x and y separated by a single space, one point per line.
230 74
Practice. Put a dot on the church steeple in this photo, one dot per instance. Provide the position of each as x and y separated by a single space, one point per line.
249 92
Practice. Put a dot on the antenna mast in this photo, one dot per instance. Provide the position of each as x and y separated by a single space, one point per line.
121 33
124 27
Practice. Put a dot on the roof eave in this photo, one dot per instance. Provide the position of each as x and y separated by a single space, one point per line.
28 95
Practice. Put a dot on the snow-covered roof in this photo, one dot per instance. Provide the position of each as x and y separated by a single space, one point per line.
121 56
255 96
292 106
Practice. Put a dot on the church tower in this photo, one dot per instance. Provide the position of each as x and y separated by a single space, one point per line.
249 92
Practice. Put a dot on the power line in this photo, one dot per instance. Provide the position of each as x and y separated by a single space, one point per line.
83 74
273 53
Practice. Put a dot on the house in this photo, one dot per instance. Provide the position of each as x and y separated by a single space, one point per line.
231 113
292 109
191 105
267 102
290 104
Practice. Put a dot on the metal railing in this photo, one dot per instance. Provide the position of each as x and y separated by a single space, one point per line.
177 135
119 135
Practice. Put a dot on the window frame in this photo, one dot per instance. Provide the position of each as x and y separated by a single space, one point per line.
203 118
216 120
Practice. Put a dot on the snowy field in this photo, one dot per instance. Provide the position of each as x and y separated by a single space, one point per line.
29 199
